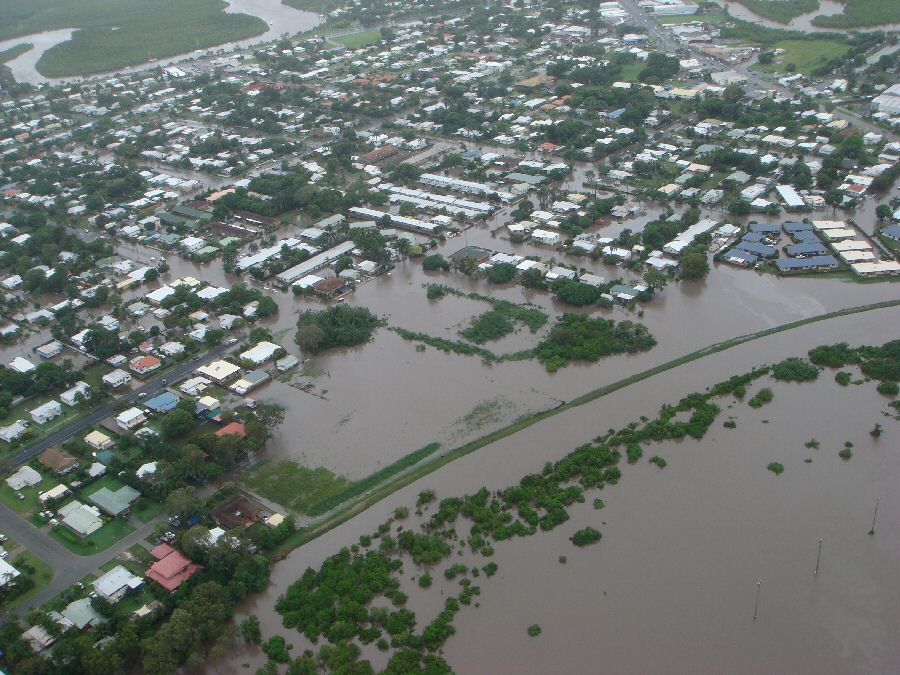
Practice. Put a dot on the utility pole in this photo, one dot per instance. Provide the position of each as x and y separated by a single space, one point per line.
875 515
756 606
818 558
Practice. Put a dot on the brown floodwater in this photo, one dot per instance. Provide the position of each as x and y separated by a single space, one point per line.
671 586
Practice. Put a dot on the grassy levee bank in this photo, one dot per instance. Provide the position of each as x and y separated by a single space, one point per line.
345 511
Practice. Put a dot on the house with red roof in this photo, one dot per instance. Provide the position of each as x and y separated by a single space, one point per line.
233 429
172 568
145 364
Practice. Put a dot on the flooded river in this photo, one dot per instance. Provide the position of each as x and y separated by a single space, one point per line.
280 19
802 22
671 585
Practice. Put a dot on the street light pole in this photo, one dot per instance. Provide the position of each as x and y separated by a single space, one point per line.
818 558
875 515
756 606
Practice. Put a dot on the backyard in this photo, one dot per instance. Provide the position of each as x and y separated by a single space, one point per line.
111 532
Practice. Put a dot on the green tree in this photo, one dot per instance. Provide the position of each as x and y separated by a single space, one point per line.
183 503
694 265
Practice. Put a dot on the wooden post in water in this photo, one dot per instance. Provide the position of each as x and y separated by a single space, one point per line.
818 558
875 515
756 606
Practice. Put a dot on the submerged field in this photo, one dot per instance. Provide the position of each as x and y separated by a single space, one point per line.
778 10
119 33
696 519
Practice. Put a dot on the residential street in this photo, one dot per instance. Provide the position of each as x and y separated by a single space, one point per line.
152 386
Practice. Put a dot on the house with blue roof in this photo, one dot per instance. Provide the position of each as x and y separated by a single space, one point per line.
792 227
759 250
891 232
765 228
811 264
164 402
738 257
806 249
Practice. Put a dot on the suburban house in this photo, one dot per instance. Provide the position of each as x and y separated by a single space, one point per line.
142 365
25 477
163 403
7 573
113 585
194 386
131 418
250 381
219 371
286 363
117 378
49 350
172 568
81 390
44 413
260 352
99 441
58 461
115 502
145 470
21 365
81 518
238 511
56 492
82 615
13 431
232 428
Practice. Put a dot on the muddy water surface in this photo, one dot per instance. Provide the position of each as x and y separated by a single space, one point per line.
671 585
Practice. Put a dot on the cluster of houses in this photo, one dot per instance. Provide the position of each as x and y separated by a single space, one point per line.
813 246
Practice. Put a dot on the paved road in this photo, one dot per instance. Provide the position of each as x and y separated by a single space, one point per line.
27 535
67 566
97 415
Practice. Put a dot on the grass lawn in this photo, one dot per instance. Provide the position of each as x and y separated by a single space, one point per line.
141 554
37 431
145 510
362 39
805 55
100 540
31 503
631 71
713 18
890 243
42 575
106 481
294 486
